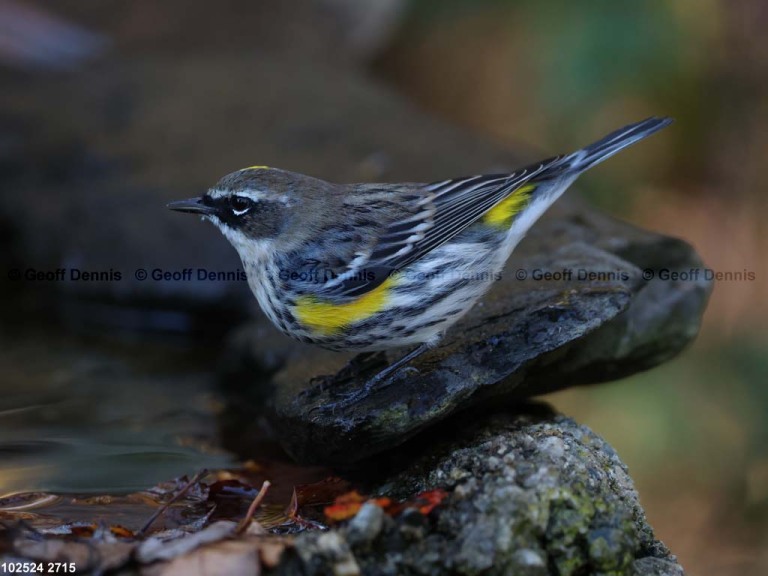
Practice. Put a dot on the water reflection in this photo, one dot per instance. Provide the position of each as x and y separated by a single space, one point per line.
79 417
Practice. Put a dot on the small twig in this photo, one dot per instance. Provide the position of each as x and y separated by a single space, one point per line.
252 508
164 507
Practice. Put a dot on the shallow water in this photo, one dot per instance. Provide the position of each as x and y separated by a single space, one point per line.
86 416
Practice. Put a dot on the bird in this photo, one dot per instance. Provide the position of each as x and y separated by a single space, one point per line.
369 267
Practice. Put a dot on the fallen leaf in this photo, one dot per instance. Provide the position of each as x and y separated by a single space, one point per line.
229 558
348 505
84 531
57 550
271 550
430 499
158 548
320 493
121 531
345 506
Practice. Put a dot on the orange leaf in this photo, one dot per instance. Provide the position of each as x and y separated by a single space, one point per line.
345 506
431 498
121 531
349 504
83 531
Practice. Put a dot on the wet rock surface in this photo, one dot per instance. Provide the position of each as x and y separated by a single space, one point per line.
531 494
580 302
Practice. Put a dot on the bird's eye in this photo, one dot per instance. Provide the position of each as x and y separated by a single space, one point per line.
240 205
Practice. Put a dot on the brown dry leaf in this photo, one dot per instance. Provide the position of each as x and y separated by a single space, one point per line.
293 505
271 550
121 531
91 530
292 513
158 548
323 492
227 558
113 555
195 490
272 516
252 467
232 487
255 529
26 501
99 556
57 550
83 531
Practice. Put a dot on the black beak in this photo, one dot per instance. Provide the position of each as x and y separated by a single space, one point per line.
193 206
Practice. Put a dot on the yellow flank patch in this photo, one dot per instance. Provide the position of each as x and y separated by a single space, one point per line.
327 318
504 212
255 168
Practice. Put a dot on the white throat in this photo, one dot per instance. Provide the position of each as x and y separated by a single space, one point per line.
256 255
253 252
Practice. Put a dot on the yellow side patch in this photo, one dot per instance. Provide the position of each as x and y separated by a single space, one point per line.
327 318
504 212
255 168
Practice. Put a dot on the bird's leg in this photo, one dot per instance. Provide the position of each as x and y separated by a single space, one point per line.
392 368
378 381
357 364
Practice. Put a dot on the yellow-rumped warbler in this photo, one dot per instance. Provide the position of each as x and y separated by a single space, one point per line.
376 266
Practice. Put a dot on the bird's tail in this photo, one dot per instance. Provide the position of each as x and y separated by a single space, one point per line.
615 142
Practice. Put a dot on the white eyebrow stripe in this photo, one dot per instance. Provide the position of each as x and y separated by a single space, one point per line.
254 195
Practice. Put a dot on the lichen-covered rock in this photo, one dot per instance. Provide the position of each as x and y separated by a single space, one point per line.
530 495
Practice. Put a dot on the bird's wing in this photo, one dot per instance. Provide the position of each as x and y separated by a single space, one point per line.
435 213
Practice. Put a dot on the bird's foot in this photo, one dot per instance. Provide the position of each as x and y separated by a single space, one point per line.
318 385
326 382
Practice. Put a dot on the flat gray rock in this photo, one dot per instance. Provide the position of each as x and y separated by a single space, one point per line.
576 305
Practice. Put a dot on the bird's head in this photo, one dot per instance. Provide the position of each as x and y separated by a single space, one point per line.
254 207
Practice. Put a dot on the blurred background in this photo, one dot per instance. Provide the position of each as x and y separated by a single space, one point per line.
109 109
